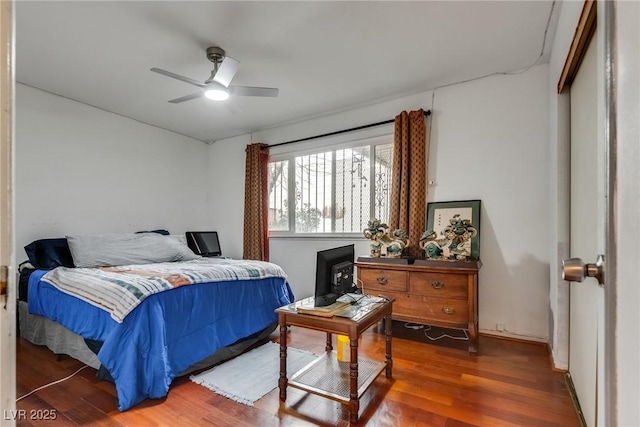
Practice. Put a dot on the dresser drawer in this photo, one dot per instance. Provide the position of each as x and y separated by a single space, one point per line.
433 310
383 280
438 284
447 310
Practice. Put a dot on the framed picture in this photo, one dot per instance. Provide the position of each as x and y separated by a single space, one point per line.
455 228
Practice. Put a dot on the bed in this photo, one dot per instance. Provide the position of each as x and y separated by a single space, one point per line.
148 322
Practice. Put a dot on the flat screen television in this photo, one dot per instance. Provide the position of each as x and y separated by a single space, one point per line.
204 243
334 274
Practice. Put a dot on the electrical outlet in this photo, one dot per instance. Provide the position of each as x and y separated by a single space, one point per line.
500 327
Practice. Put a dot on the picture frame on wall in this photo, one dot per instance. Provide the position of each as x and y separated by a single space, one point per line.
446 219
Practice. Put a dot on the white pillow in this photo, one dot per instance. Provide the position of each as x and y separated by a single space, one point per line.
125 249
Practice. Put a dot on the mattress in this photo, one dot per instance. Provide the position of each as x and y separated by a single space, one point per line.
168 333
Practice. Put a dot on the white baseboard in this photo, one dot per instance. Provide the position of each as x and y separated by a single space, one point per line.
506 334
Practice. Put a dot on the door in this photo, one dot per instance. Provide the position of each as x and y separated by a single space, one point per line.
586 319
7 278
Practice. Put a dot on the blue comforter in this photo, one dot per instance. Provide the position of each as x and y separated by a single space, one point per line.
168 332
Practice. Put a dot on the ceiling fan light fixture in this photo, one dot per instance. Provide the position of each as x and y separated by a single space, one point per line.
217 86
217 94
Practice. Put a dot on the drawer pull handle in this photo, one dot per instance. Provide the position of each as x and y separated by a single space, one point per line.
448 310
437 285
382 280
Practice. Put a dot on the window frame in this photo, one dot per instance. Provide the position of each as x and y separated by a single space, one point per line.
330 144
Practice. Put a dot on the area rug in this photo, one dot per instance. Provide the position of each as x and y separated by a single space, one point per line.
251 375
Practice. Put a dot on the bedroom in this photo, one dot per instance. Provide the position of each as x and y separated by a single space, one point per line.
504 117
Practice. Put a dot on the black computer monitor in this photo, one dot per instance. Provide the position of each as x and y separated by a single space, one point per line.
334 274
204 243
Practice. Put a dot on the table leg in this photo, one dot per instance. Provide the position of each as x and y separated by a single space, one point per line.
354 402
387 334
282 381
473 338
329 345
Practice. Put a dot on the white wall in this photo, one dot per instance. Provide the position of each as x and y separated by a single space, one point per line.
226 190
489 142
81 170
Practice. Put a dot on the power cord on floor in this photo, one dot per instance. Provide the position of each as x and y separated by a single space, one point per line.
427 328
50 384
465 338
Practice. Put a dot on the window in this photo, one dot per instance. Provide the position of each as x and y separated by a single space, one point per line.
331 190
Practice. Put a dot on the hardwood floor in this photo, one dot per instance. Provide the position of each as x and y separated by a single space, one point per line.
509 383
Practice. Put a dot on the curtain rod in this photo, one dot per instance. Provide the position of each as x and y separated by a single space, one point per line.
426 113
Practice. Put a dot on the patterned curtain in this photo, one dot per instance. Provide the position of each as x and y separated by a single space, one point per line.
408 204
256 203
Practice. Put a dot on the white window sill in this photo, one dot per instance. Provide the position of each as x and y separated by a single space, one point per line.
320 236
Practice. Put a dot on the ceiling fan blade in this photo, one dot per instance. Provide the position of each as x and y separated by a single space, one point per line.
178 77
186 98
227 70
253 91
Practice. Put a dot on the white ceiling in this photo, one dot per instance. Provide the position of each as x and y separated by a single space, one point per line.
324 56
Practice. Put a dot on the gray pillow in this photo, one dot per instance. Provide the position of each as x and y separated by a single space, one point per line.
124 249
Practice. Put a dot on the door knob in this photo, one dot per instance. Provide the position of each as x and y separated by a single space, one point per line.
574 270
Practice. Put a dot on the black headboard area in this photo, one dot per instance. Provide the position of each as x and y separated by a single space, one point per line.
204 243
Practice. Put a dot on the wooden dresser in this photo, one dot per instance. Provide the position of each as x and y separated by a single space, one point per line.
439 293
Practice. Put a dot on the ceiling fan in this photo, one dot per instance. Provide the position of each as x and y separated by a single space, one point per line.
217 87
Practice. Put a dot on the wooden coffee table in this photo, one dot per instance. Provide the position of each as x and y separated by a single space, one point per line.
344 382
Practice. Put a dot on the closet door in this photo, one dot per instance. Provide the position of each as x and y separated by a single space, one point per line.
586 329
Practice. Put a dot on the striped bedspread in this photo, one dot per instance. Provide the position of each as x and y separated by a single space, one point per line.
118 290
